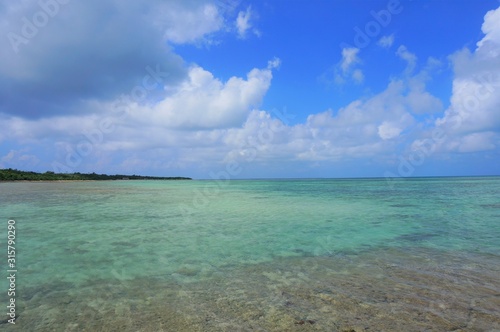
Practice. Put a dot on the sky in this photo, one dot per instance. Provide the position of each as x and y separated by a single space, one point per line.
229 89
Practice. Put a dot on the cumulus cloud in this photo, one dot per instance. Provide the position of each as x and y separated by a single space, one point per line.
491 29
203 101
473 115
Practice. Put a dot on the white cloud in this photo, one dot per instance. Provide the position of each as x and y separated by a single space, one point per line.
421 101
349 58
477 142
243 24
19 159
474 114
409 57
274 63
184 25
346 70
392 129
386 41
491 28
203 101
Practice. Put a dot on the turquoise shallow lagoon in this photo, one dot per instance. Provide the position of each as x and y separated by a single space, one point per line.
419 254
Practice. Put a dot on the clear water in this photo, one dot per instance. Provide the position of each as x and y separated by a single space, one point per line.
269 255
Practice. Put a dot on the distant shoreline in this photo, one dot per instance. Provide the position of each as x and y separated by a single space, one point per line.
12 175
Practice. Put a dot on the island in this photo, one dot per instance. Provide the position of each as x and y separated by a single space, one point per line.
17 175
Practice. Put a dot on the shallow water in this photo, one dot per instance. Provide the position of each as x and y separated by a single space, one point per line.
273 255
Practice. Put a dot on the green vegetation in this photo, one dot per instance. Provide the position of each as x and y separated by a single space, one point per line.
16 175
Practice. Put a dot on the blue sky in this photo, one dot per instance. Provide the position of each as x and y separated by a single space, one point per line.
243 89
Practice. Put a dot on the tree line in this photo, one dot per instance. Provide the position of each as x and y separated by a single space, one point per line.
17 175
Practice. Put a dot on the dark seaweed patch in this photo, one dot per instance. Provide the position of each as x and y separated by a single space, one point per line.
417 237
491 206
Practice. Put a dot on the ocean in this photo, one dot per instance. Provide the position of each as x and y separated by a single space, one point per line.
419 254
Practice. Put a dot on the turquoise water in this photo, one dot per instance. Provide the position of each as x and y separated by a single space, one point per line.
112 249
